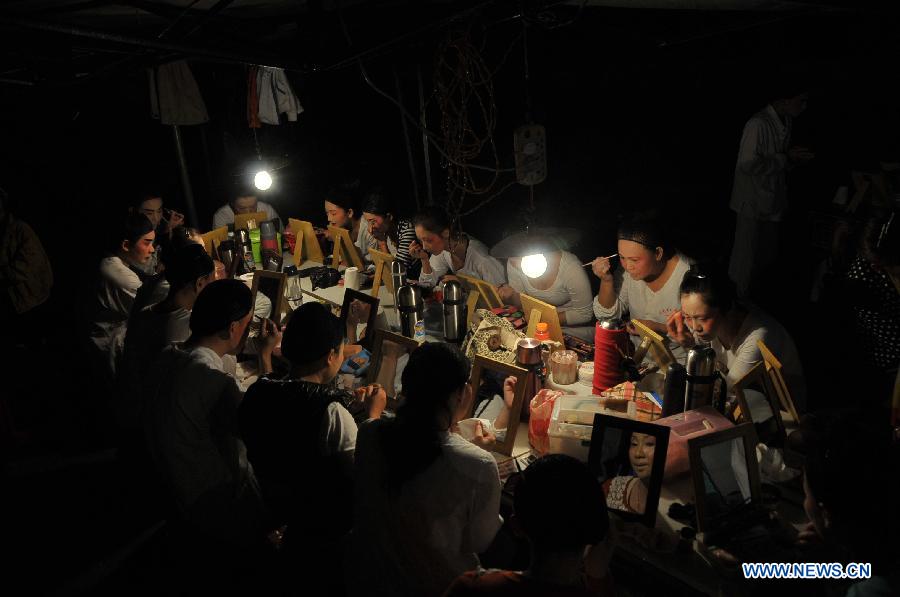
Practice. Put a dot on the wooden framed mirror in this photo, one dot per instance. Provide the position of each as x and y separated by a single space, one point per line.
753 393
383 276
240 220
345 250
268 296
390 354
306 244
359 312
537 311
487 293
774 369
654 345
725 475
214 238
489 375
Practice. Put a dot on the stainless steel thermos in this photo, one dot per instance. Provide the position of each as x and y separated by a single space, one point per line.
673 392
411 309
454 312
398 277
701 376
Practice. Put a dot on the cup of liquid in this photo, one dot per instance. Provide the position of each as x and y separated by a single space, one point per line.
564 366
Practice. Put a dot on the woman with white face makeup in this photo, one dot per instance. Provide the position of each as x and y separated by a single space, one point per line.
628 491
710 313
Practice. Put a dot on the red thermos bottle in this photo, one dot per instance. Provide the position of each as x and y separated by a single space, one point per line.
609 338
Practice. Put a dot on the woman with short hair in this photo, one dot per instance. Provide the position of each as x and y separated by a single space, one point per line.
646 288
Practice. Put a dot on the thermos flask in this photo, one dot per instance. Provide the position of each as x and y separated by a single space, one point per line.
673 391
701 377
398 277
410 308
454 312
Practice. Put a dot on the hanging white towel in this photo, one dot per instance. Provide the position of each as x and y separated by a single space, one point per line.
276 96
174 95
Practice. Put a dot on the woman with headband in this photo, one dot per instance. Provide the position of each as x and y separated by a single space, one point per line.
646 288
711 312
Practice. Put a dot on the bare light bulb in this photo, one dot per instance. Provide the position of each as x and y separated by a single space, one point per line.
262 180
534 266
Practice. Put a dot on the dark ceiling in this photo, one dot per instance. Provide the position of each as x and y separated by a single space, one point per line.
64 42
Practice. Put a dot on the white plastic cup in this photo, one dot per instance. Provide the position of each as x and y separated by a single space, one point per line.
351 278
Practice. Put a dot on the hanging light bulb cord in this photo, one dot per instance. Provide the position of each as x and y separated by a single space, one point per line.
256 145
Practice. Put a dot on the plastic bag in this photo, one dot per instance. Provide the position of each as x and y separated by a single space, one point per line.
540 410
321 276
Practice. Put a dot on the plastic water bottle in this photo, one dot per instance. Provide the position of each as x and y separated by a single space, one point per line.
419 335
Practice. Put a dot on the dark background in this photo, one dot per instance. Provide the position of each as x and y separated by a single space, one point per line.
643 108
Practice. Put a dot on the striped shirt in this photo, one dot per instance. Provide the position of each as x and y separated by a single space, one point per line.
406 233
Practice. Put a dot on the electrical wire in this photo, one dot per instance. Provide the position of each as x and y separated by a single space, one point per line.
429 134
464 95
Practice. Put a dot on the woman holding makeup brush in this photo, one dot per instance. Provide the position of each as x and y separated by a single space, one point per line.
646 287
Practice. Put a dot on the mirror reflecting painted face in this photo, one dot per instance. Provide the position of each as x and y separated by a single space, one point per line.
626 469
641 449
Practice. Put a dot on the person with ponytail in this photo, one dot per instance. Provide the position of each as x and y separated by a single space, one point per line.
427 500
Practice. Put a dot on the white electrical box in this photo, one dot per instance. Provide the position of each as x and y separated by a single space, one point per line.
530 145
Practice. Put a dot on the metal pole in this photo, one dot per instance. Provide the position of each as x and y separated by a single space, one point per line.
185 179
424 135
409 154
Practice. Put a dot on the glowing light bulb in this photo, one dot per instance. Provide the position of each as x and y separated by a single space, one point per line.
262 180
534 266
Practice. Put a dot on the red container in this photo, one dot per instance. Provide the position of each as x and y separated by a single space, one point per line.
607 359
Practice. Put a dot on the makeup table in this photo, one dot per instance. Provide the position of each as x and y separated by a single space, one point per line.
334 295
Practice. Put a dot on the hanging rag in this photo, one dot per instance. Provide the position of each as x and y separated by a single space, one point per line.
276 96
174 95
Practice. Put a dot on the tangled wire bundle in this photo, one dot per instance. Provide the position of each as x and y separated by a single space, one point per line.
464 93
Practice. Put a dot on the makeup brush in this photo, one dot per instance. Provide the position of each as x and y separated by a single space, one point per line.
590 262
